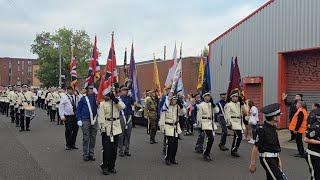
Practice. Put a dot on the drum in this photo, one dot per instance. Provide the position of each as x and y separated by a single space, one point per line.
29 111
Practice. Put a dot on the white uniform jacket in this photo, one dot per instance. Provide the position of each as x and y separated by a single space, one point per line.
169 121
109 120
205 116
233 113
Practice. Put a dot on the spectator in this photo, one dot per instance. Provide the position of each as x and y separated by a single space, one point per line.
312 118
293 109
253 120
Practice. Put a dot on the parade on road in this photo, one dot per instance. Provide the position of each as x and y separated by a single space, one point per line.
204 118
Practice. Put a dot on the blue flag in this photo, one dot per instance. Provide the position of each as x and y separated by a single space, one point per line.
135 92
206 87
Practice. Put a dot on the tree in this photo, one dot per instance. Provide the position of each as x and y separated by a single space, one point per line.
46 46
205 52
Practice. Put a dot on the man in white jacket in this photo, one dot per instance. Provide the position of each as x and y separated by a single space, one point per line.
205 119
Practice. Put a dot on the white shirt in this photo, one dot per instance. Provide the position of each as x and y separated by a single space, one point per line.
254 116
65 106
39 93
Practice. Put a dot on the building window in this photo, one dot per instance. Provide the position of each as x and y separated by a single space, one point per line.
18 68
29 62
18 62
22 65
10 65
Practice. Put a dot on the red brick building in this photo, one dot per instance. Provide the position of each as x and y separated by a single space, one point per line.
16 71
190 67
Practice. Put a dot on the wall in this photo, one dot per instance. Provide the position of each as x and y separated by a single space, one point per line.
190 67
283 25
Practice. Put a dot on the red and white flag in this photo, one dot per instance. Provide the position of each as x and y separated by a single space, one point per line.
109 75
94 67
73 72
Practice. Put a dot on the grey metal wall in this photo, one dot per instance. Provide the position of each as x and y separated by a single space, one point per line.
283 25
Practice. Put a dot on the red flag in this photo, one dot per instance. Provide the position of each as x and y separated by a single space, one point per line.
94 67
235 77
110 75
73 72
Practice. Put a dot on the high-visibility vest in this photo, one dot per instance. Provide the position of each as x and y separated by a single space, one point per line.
294 121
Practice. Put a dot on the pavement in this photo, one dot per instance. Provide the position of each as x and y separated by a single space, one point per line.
41 154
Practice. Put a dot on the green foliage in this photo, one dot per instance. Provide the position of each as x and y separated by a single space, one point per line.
46 46
205 52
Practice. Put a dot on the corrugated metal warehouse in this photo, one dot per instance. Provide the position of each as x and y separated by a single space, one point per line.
278 50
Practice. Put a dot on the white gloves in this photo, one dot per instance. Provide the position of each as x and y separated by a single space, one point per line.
79 123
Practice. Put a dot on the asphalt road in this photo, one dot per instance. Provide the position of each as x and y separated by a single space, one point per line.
40 154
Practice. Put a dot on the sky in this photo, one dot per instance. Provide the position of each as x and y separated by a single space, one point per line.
149 24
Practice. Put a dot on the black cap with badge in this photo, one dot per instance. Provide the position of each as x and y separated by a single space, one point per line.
271 110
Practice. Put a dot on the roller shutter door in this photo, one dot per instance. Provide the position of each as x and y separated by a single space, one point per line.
303 76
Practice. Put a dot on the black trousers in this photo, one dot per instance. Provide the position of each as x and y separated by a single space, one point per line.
59 121
49 108
271 166
17 118
109 153
172 147
7 109
189 125
52 114
224 129
71 130
39 102
12 113
200 141
22 119
42 102
182 122
237 138
298 138
209 134
314 166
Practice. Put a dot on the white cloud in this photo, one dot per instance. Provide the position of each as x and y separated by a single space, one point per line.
150 24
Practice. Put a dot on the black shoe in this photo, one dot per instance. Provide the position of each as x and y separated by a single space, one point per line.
121 154
174 162
207 158
153 142
234 154
74 147
299 155
105 171
86 158
127 154
223 148
28 129
68 148
21 130
199 151
113 171
168 163
292 141
17 125
92 158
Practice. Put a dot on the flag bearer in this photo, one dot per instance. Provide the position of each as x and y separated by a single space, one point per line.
110 128
169 125
151 113
205 119
126 122
234 111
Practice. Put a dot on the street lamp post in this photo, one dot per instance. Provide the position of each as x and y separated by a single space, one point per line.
60 66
